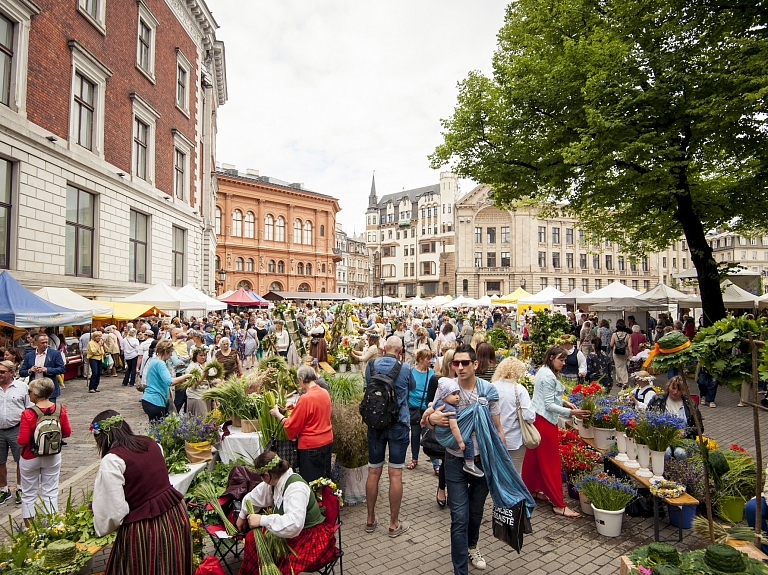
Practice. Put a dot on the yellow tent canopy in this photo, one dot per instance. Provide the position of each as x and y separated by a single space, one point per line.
11 331
128 311
518 294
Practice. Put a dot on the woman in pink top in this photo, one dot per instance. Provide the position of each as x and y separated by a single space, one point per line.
636 339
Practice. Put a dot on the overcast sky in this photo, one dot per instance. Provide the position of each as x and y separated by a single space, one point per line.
324 92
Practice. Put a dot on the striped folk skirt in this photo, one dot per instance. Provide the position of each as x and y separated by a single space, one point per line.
314 548
158 546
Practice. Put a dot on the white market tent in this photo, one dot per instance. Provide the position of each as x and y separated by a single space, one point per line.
613 290
165 297
571 298
485 301
416 302
626 304
763 301
733 297
458 302
72 300
547 295
387 299
210 304
439 300
662 293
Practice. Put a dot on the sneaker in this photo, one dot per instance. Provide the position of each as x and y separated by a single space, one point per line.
741 404
712 404
18 496
473 471
5 494
476 559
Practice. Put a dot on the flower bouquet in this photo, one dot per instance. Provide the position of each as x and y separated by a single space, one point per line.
165 432
609 498
575 457
660 429
317 488
585 397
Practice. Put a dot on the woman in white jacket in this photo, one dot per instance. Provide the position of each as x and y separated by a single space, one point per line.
505 379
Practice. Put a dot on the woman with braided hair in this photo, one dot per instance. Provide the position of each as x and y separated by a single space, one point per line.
132 494
295 517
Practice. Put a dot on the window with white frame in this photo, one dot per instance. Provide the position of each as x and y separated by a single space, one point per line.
297 231
250 221
269 227
89 85
179 252
280 229
183 74
145 43
94 11
182 152
237 223
144 121
15 18
308 233
217 222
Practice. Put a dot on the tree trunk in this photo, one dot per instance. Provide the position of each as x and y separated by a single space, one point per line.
702 258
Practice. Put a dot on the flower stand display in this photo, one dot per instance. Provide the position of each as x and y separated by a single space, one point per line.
608 523
644 458
657 463
604 437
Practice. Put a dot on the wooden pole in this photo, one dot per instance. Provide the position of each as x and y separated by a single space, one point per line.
754 347
700 434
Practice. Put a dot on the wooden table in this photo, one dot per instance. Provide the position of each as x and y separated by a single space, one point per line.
684 499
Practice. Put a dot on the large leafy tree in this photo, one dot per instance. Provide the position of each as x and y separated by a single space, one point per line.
645 119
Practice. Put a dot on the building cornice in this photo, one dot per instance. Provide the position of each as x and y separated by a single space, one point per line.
236 181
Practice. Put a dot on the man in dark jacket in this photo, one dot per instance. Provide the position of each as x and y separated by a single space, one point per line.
43 362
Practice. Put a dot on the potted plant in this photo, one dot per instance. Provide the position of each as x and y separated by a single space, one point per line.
641 444
661 429
734 483
628 420
576 458
609 498
350 444
198 436
690 473
604 426
585 397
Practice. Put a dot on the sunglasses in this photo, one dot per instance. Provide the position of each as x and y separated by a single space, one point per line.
461 362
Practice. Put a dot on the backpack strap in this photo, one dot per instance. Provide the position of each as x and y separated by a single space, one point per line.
395 371
38 412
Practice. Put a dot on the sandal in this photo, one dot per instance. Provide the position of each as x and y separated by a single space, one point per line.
412 464
571 515
539 496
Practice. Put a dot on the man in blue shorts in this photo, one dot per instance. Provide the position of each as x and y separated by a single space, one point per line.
397 437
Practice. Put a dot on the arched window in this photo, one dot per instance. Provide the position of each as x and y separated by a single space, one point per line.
275 286
218 263
309 269
249 265
322 268
304 287
281 267
239 264
308 233
322 231
271 266
297 231
322 290
280 231
246 285
217 221
250 220
465 285
269 228
300 269
237 223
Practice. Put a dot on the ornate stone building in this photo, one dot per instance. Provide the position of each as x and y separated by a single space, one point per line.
274 235
355 270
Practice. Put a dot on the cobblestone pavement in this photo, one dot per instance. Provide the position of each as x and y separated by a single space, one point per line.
557 545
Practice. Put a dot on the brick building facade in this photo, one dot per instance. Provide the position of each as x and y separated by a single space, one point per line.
108 142
274 235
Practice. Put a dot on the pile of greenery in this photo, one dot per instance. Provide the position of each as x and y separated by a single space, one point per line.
716 559
345 387
542 328
350 435
498 338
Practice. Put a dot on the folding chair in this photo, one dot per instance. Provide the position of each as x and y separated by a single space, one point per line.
332 516
226 548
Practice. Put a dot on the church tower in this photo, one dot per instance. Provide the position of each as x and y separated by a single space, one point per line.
372 199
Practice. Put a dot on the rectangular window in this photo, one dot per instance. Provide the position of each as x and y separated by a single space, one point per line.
478 235
137 256
6 171
478 259
78 243
620 263
582 237
644 264
684 245
145 46
179 166
491 259
555 235
542 283
542 259
6 59
493 287
598 284
555 259
140 144
664 262
90 7
596 262
542 234
491 233
411 267
558 283
405 270
505 235
583 261
635 284
568 235
585 285
84 111
571 284
178 256
646 285
569 260
505 261
183 74
608 262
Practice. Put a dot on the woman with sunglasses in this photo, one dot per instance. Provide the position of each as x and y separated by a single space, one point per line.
295 517
541 466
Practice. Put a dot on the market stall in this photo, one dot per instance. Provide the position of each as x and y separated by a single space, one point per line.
22 308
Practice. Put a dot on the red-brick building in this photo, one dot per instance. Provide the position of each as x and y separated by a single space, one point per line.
274 235
107 116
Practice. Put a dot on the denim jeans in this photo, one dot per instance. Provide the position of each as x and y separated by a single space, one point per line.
315 463
707 387
466 499
96 366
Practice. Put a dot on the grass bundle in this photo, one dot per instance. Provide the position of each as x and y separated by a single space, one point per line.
207 492
230 394
194 379
270 425
198 376
344 388
273 547
350 435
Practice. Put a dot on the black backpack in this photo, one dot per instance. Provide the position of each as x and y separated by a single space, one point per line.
621 345
379 408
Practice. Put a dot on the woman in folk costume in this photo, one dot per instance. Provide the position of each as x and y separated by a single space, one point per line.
575 367
132 494
295 516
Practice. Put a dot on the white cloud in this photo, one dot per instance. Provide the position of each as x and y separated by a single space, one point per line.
326 91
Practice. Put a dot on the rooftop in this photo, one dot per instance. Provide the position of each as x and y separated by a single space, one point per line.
412 195
229 171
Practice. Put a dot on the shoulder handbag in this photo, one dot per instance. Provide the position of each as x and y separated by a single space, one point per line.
531 435
417 412
286 448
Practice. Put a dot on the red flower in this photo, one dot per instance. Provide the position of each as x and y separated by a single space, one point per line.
735 447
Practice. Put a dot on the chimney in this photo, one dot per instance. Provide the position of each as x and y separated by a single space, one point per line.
252 172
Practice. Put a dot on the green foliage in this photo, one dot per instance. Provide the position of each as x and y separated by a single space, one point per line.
542 328
722 348
345 387
698 562
166 432
643 119
350 435
498 338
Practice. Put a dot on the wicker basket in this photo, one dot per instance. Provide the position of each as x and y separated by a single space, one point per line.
236 421
249 425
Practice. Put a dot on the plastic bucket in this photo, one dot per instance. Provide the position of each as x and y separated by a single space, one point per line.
732 509
684 514
604 438
608 523
586 504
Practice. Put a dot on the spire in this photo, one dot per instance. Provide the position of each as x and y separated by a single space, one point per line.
372 199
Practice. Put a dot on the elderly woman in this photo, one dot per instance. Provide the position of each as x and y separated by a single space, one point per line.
112 347
227 357
505 378
317 347
131 349
310 420
417 400
283 338
585 338
636 339
620 359
295 517
158 380
95 352
575 367
541 467
39 473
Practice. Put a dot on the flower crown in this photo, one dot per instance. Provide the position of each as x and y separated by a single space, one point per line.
565 338
269 466
105 424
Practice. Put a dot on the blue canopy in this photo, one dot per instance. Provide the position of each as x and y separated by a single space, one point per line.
258 298
22 308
